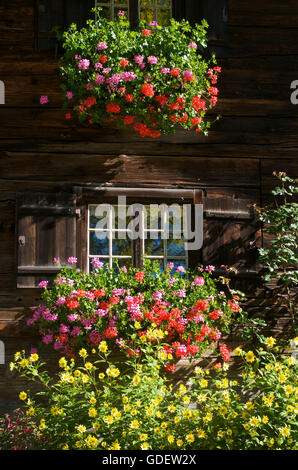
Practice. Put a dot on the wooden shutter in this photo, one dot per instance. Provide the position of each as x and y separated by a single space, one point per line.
59 13
46 229
232 232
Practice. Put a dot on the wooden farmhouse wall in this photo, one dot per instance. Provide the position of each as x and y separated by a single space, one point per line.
41 152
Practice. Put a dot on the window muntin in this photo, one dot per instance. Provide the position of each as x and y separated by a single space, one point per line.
110 8
155 10
159 237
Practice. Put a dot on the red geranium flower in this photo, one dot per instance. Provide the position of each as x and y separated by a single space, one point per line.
146 32
72 304
128 120
147 89
102 59
113 108
128 98
111 332
124 63
140 276
175 72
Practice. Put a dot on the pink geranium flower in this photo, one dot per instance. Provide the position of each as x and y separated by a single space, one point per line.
44 99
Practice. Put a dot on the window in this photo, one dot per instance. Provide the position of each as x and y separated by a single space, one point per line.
59 14
128 233
110 8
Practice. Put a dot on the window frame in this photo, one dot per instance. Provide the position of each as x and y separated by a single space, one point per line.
137 246
97 195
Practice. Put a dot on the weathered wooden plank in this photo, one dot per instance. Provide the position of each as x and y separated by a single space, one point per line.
50 124
252 41
286 150
274 13
135 169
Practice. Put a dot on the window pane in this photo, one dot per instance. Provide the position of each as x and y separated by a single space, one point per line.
163 16
105 12
147 15
122 247
153 218
121 218
154 247
146 2
175 219
95 220
175 247
98 243
164 3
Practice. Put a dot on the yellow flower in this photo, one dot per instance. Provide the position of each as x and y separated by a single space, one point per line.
254 421
137 325
186 399
108 419
30 412
65 447
124 400
177 419
134 424
201 434
282 378
179 442
145 446
42 424
55 410
85 378
238 352
33 357
171 438
112 372
81 429
23 396
190 438
285 432
96 425
89 366
83 352
291 361
92 412
249 356
115 445
24 362
101 376
143 437
77 373
265 419
62 362
17 356
92 400
11 366
198 370
102 347
136 380
204 383
171 408
248 405
91 441
270 342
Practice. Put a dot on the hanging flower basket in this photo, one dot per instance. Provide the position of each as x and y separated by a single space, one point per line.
152 78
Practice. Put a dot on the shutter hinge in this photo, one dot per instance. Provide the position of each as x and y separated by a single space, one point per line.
21 240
